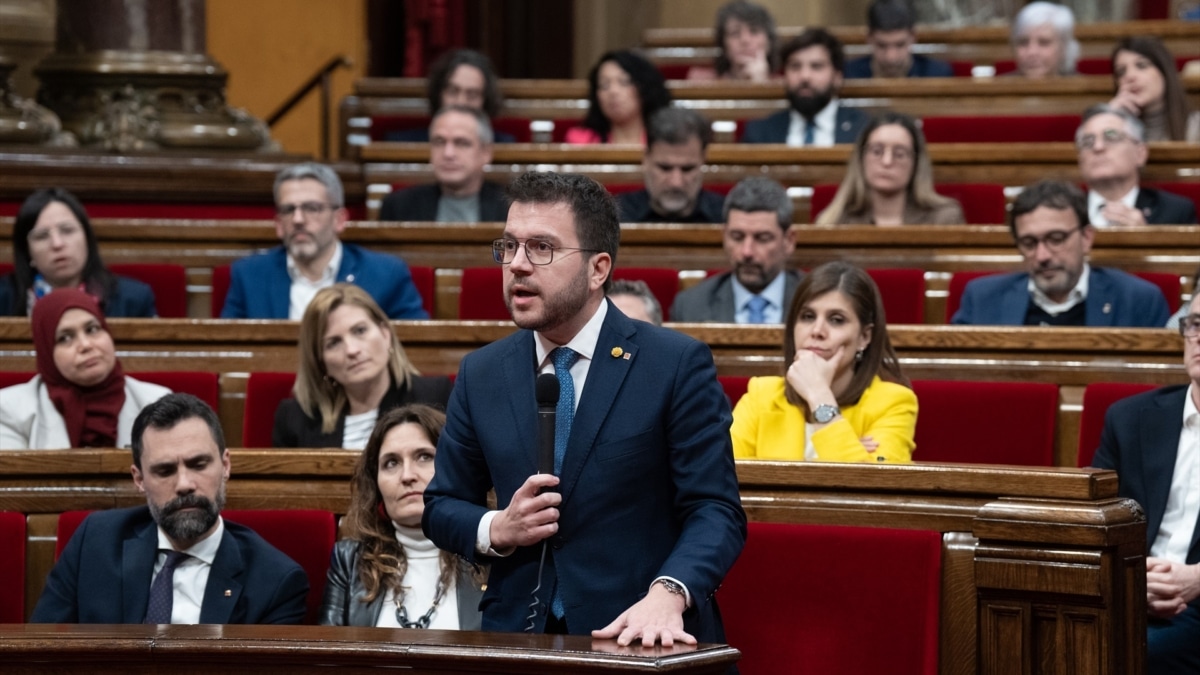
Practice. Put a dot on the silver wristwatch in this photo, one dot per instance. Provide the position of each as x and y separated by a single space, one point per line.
825 413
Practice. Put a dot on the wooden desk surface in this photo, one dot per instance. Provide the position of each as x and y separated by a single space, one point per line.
204 649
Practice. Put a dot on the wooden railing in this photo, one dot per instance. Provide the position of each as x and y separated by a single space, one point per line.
1069 357
1042 569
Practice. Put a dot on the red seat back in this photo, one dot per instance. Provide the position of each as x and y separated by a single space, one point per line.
734 386
305 536
902 292
1096 399
9 378
962 68
425 279
663 283
1001 128
1092 65
220 289
1170 285
801 597
68 522
264 392
986 422
168 281
204 386
958 282
12 567
674 71
561 127
382 125
482 295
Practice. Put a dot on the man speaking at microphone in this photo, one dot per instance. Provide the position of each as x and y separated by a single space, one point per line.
640 516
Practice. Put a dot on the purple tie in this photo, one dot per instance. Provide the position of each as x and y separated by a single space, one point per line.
162 591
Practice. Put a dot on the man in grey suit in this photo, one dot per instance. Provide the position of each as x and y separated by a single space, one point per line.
758 238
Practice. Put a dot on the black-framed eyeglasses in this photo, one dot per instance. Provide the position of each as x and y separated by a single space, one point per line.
1189 326
306 208
1110 136
1053 240
537 251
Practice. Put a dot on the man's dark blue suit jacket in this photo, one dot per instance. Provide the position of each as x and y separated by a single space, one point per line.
648 481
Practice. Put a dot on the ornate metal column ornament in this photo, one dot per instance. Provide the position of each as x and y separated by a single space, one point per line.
23 121
132 75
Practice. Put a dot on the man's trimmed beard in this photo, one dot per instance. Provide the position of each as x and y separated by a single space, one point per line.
809 106
182 525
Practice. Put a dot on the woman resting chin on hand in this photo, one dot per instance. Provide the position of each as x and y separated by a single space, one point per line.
843 397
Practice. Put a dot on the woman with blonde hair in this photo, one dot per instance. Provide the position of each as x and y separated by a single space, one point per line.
352 369
386 572
889 180
843 397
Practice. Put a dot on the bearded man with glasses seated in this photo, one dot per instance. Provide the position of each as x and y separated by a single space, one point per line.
1112 152
1058 287
310 215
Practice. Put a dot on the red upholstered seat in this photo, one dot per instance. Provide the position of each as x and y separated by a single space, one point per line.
1170 285
204 386
1096 400
220 289
958 282
306 536
12 567
382 125
674 71
962 68
173 211
1092 65
734 386
168 281
482 295
825 599
903 294
1001 128
986 422
559 135
264 392
663 283
424 278
982 203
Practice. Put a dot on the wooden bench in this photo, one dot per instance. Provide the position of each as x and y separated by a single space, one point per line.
1038 565
692 249
1069 358
978 44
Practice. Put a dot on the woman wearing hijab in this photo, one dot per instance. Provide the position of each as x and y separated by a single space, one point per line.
80 397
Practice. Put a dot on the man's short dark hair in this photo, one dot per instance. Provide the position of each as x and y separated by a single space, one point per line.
1053 194
170 410
759 193
441 70
813 37
595 210
676 126
889 15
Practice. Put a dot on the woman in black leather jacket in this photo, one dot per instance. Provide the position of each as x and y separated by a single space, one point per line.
387 573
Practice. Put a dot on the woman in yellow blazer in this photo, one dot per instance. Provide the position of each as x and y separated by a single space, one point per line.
843 397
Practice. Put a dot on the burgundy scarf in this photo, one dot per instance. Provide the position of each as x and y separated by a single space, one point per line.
91 412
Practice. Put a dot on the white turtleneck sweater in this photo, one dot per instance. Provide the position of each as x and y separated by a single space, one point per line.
420 584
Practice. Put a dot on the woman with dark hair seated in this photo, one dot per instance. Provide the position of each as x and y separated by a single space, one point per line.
842 397
54 247
624 90
889 180
386 572
352 370
1149 88
80 397
747 42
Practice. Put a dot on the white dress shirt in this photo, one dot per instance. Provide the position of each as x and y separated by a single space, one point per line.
1174 536
191 574
1095 203
825 123
303 288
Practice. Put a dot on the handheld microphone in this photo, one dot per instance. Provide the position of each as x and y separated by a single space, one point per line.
547 401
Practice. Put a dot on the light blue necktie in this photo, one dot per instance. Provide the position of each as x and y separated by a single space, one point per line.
756 305
809 132
563 359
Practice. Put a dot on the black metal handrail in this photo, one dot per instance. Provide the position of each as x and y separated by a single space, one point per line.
321 77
